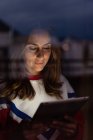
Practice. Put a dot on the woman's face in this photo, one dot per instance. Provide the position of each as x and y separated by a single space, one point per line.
37 53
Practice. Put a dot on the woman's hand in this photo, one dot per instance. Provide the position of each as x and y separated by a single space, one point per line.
32 130
68 127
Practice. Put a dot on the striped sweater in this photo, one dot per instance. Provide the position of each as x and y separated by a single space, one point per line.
13 112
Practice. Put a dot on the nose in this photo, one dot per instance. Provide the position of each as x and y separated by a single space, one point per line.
40 54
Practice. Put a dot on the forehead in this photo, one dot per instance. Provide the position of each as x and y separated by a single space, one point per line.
39 38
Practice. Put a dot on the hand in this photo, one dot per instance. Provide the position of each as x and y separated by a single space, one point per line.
69 127
31 130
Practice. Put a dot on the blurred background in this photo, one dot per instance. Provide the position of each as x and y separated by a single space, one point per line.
71 21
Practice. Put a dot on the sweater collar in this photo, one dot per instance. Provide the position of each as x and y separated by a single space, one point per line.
34 77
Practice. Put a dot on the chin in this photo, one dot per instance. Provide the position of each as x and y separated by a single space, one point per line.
39 69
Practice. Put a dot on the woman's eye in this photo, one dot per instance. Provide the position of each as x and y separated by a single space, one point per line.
47 48
31 48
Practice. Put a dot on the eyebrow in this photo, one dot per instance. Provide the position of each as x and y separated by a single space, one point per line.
37 44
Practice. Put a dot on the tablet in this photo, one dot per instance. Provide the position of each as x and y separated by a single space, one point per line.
57 109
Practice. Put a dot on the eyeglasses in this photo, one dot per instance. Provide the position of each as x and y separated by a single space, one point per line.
35 49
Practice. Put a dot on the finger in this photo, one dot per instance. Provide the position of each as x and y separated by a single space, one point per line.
56 124
69 119
38 125
39 129
70 131
70 125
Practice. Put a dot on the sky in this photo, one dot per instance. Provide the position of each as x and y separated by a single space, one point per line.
64 17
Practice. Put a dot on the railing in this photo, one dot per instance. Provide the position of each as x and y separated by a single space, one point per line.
77 67
73 67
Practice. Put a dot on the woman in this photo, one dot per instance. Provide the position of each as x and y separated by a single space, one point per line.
42 82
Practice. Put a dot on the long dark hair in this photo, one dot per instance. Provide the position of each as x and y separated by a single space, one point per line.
50 75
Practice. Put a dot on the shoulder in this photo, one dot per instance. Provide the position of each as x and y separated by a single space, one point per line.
63 78
65 81
67 86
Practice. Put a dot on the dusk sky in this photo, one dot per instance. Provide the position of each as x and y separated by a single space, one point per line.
64 17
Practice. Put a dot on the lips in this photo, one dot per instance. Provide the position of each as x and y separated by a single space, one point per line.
40 63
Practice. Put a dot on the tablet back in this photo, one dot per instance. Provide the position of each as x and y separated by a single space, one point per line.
57 109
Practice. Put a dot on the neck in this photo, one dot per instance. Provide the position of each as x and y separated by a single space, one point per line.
34 77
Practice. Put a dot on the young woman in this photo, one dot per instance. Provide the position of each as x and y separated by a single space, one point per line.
43 81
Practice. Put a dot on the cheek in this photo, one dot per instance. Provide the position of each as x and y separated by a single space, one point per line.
28 59
47 56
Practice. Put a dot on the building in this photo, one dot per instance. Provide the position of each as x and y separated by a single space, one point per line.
10 40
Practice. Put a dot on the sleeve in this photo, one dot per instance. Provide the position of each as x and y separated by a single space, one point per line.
4 113
6 123
79 116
